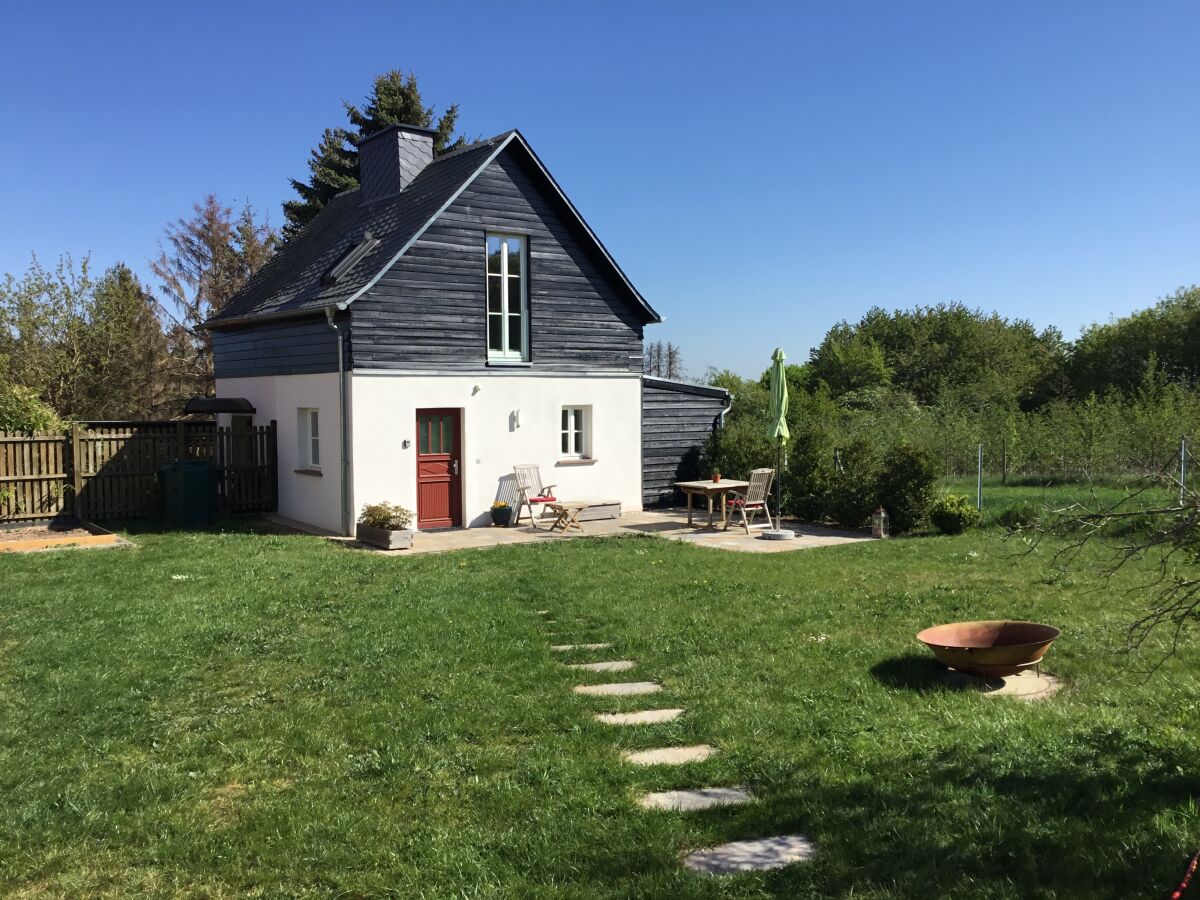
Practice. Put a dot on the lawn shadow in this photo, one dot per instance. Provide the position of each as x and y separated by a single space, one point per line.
911 672
244 524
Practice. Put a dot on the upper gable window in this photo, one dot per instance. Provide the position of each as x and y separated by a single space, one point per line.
507 298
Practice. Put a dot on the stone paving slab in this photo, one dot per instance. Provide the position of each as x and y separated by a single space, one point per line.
669 756
619 689
668 524
694 800
751 856
645 717
616 665
1028 685
567 648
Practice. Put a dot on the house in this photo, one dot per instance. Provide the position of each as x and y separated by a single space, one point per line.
451 317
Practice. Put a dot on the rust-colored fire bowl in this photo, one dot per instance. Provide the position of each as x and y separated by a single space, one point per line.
990 649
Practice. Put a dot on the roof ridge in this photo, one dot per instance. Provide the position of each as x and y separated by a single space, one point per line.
474 145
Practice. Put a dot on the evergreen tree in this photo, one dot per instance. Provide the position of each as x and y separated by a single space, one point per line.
333 166
124 351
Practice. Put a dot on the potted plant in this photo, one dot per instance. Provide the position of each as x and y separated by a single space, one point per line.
385 525
716 476
501 514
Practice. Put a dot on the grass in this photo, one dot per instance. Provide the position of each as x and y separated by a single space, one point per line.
240 714
1054 493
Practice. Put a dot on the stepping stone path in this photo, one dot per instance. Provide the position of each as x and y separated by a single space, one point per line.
691 801
620 689
669 756
747 856
617 665
724 859
567 648
645 717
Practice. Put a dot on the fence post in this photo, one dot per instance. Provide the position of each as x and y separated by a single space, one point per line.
77 470
979 481
1182 469
273 464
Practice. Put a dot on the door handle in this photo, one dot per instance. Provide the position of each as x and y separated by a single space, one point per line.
455 464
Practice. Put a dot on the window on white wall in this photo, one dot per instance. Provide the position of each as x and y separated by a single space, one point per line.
308 427
507 298
576 431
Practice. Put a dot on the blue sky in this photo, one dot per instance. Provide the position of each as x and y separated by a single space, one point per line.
760 171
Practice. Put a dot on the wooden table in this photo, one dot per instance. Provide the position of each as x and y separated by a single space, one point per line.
567 513
708 490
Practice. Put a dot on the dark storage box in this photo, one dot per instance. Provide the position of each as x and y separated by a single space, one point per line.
187 494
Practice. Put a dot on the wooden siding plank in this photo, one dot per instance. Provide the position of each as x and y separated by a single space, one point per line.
429 311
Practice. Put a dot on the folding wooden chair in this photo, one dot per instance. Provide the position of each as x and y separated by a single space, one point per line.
751 500
531 492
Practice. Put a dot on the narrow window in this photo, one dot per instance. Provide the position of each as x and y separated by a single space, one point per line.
308 429
576 431
507 298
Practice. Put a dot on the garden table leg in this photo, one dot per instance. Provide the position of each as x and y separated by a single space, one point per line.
689 496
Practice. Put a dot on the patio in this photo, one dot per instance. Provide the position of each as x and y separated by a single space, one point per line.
670 524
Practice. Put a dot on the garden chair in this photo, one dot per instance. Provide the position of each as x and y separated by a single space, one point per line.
749 501
531 492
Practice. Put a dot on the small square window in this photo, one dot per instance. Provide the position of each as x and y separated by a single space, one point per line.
576 432
308 431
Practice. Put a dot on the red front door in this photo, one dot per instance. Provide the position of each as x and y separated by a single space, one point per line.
439 478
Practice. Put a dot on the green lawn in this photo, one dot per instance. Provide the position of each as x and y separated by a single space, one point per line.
1053 494
247 714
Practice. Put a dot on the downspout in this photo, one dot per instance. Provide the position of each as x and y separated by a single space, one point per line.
725 412
344 468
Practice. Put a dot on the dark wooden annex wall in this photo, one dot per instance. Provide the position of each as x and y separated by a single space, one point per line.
109 470
677 419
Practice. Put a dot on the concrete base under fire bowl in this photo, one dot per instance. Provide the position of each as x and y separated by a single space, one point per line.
1027 685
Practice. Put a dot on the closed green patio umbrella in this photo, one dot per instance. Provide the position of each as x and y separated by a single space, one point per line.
777 430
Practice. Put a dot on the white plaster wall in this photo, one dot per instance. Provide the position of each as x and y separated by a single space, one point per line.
315 500
384 416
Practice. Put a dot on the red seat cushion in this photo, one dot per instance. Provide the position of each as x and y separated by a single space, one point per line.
542 500
736 502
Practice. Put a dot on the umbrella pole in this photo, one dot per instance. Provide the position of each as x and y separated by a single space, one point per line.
779 488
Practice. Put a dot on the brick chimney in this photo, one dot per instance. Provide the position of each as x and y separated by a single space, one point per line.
390 159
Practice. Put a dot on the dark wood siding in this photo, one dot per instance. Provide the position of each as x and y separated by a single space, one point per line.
428 311
284 347
676 421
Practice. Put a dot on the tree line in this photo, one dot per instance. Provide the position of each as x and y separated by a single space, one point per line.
75 345
946 379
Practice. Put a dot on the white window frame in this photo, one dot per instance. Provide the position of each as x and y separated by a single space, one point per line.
308 439
505 354
577 432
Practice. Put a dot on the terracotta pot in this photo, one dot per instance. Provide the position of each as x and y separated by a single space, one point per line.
716 477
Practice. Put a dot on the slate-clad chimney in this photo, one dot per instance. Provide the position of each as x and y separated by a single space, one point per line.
390 159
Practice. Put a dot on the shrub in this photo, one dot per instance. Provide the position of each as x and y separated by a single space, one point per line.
953 514
851 496
739 447
1021 514
21 409
385 515
904 486
806 481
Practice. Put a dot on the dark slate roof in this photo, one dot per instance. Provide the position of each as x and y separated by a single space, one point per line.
289 284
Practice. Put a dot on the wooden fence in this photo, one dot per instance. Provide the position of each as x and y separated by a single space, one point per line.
109 470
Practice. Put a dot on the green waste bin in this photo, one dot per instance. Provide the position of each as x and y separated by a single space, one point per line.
187 494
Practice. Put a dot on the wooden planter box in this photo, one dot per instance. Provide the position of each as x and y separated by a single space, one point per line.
384 538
